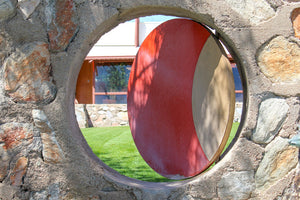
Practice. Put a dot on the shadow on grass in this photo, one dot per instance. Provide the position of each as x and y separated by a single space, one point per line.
125 165
116 148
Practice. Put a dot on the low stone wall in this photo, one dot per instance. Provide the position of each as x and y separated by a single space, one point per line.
97 115
238 112
104 115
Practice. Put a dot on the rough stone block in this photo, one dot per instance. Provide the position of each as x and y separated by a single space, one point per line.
2 44
236 185
19 171
27 74
62 24
271 115
205 189
275 3
28 6
7 9
256 13
13 134
123 116
4 162
3 169
5 48
279 60
7 192
296 21
52 191
278 160
52 153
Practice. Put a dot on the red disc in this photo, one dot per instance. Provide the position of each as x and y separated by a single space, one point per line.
160 99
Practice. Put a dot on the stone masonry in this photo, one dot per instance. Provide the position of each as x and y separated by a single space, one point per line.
105 115
101 115
43 154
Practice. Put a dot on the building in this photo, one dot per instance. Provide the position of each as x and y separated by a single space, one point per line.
105 71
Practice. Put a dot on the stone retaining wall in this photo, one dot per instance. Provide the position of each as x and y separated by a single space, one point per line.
43 154
101 115
105 115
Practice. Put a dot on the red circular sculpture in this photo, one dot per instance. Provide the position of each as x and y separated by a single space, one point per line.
180 99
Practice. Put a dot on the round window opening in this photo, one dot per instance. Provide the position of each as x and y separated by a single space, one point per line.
159 98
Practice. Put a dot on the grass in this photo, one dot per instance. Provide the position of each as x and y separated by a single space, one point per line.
116 148
234 128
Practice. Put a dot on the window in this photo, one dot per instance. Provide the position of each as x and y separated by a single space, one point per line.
237 83
111 80
104 81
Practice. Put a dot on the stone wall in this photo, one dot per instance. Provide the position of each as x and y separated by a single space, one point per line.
105 115
101 115
43 154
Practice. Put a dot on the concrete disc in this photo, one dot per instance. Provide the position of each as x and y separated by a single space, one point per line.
180 99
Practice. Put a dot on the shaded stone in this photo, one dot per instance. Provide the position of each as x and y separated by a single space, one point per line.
81 116
41 121
62 23
9 112
27 74
271 115
205 189
278 160
3 170
19 171
7 9
275 3
4 162
2 45
295 140
39 195
7 192
5 47
236 185
52 193
256 13
13 134
279 60
28 6
295 17
52 153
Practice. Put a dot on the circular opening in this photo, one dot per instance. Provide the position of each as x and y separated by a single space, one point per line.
101 98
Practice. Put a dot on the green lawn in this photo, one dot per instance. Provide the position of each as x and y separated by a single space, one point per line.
116 148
